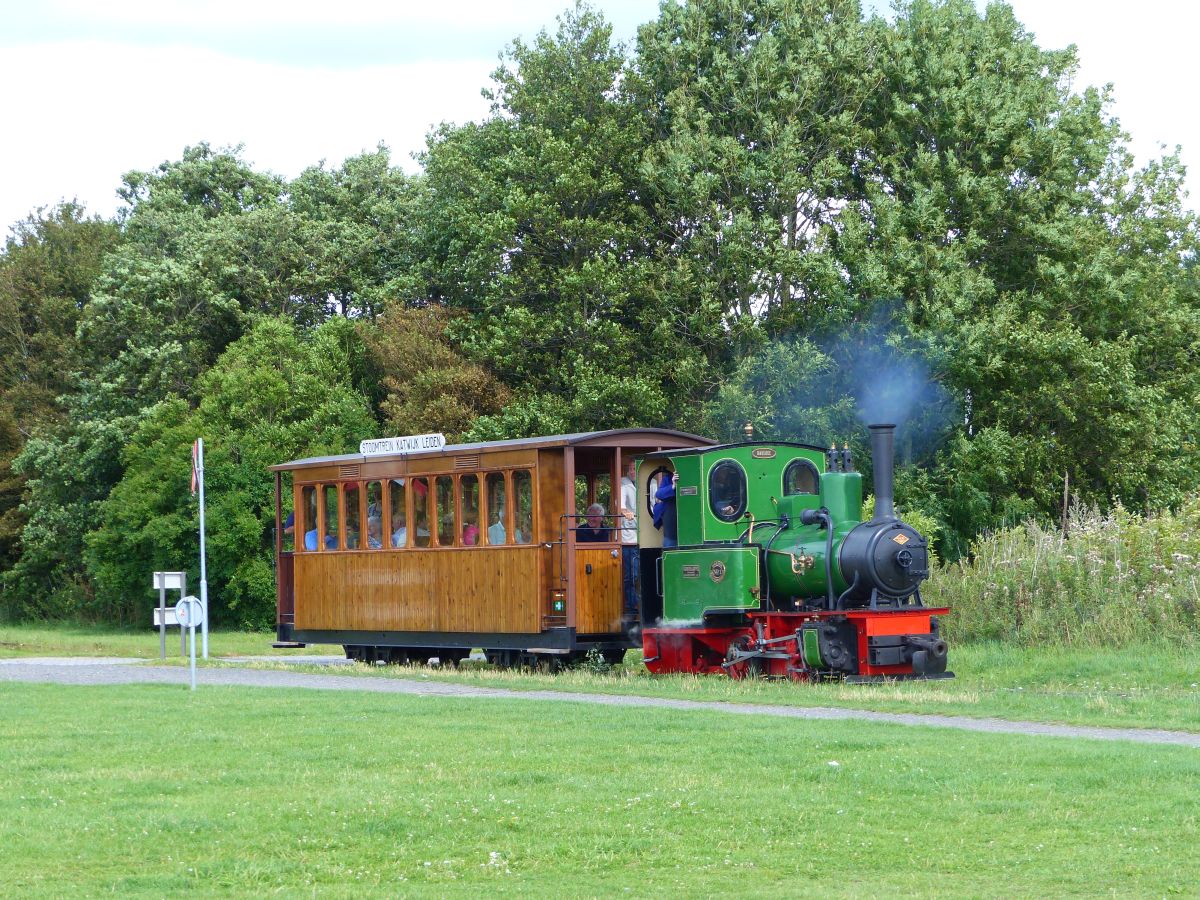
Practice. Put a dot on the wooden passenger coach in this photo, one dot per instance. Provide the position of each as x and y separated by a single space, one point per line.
407 555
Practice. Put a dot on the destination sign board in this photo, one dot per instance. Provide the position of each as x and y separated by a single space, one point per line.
413 443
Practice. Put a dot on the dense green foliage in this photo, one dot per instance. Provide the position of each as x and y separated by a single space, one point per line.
776 211
1112 579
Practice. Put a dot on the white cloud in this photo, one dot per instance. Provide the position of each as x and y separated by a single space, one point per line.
1146 52
101 109
509 18
80 113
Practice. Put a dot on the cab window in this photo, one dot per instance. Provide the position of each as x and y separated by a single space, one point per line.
801 477
727 490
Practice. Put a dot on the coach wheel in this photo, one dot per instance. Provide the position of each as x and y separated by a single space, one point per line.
502 659
452 657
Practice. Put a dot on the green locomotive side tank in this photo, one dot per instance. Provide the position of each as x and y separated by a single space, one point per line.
796 559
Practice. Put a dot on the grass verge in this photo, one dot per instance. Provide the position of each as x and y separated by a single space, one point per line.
1136 688
96 640
150 790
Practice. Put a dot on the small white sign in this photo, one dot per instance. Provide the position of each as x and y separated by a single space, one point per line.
190 612
170 581
168 615
413 443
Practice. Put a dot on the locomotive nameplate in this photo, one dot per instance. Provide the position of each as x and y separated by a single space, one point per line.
717 571
901 539
763 453
691 571
688 491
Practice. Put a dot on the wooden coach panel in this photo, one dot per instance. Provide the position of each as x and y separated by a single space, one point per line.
482 589
598 594
551 493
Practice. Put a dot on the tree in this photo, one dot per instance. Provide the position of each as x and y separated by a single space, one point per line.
273 395
1035 265
360 215
47 268
759 112
429 386
820 168
535 226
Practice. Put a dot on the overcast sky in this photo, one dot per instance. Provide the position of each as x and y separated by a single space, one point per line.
94 88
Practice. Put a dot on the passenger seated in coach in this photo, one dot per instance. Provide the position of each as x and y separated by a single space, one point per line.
470 535
400 536
496 533
592 532
310 540
374 533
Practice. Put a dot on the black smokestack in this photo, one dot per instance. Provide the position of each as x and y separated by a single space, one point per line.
883 439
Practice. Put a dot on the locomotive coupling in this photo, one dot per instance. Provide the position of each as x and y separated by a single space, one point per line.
929 654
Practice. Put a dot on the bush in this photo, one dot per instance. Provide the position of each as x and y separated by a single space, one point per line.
1111 579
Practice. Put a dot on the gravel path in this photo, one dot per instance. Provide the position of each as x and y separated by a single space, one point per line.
120 671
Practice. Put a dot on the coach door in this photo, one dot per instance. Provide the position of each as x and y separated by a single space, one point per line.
592 527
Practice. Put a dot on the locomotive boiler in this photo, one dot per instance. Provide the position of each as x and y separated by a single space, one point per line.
776 573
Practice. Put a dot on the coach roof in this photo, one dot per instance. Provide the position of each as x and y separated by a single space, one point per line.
646 438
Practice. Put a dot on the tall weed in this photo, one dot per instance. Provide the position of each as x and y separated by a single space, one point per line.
1111 579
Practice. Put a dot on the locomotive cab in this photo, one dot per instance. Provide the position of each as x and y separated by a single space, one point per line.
776 572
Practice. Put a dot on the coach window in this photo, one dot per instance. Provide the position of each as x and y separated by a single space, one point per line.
583 494
445 510
468 487
727 490
800 477
374 499
353 494
399 524
306 519
421 512
374 516
523 494
330 539
497 530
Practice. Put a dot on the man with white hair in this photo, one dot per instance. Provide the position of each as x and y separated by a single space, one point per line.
593 531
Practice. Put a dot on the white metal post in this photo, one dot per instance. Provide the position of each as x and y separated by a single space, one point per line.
162 617
203 568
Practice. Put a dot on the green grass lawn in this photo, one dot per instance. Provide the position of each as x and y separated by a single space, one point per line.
152 790
97 640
